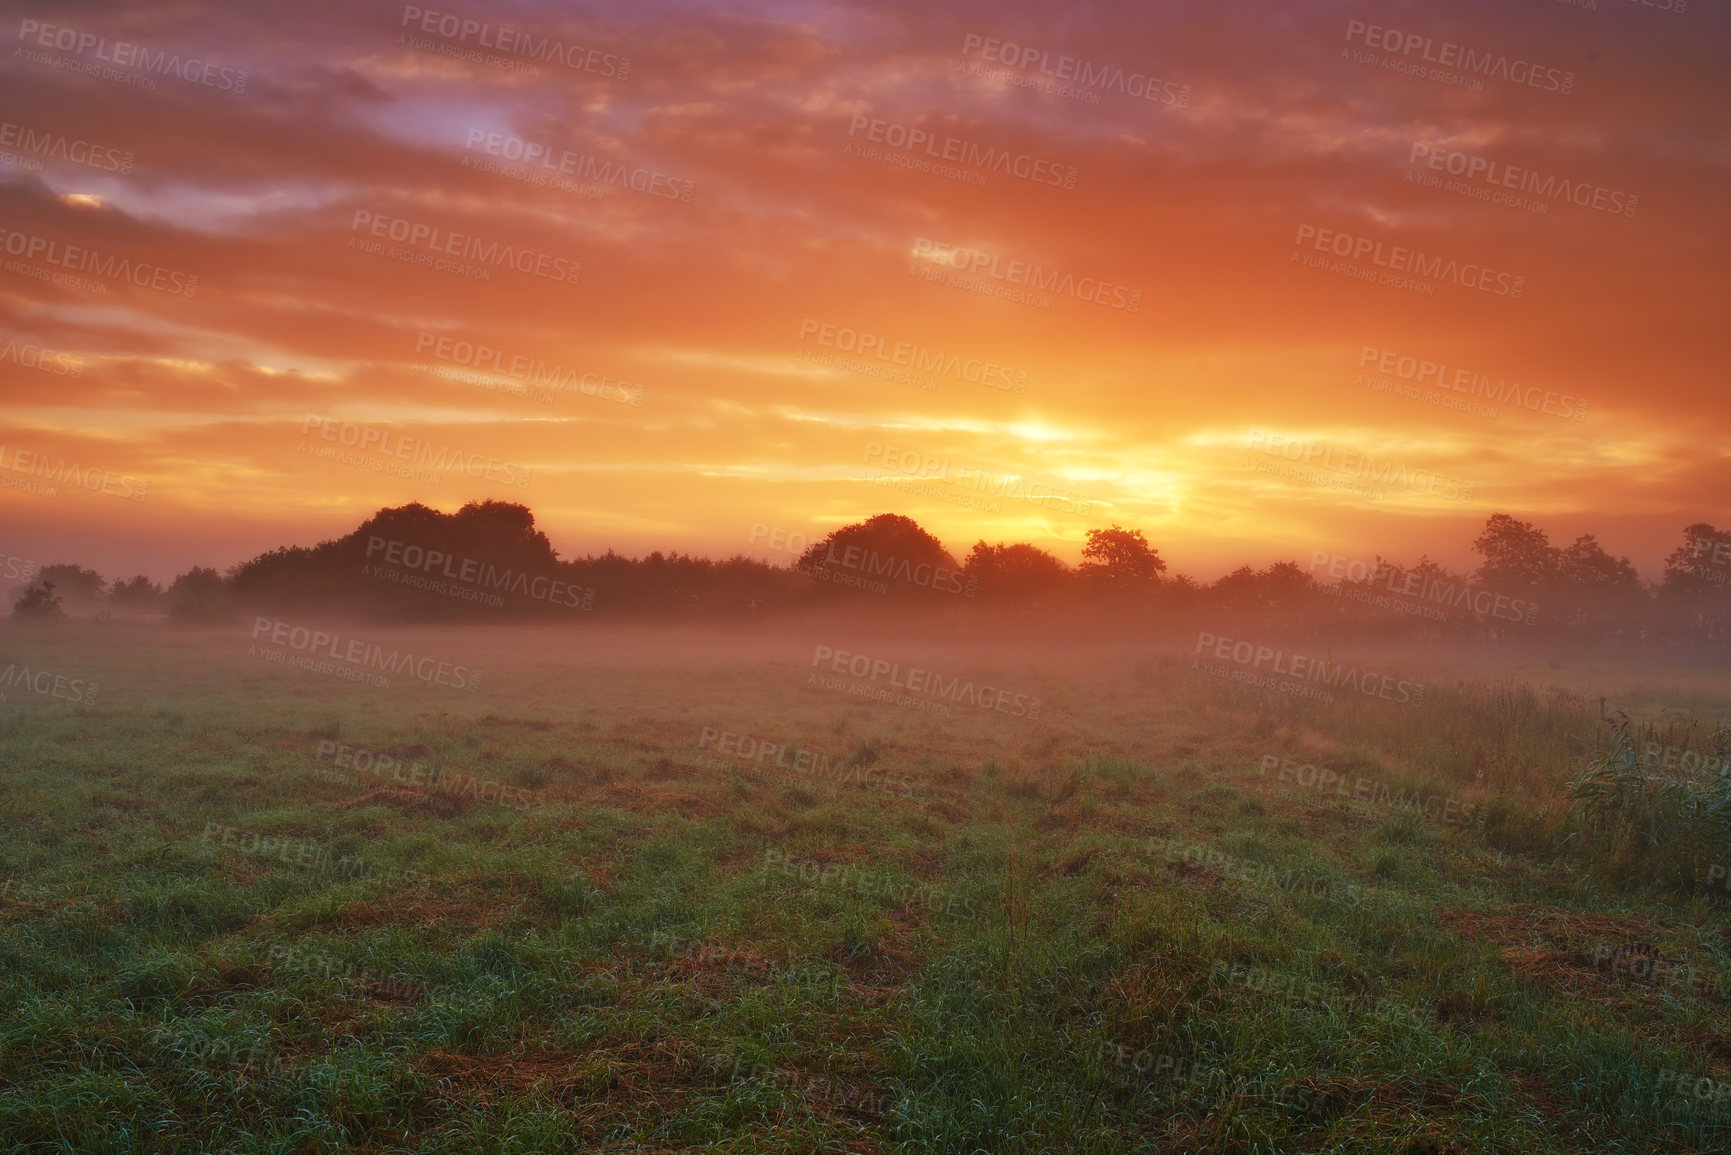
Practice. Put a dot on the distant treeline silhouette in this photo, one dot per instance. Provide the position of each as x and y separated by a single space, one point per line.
488 562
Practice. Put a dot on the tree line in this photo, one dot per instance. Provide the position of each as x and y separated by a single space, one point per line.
487 561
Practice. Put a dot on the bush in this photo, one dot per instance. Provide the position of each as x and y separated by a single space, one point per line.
1661 825
199 596
38 602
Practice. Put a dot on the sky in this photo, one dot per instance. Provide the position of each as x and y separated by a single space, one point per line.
1262 280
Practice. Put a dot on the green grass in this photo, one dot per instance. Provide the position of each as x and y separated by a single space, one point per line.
1042 948
1650 820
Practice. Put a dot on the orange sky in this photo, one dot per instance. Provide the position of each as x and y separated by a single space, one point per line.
691 400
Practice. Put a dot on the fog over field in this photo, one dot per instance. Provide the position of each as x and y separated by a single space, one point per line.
858 870
934 579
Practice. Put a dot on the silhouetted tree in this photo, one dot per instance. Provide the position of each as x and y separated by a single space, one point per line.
1022 573
1701 566
1519 558
1282 583
888 549
38 602
415 562
1282 594
1599 593
138 593
1120 561
199 595
82 587
1695 592
1585 566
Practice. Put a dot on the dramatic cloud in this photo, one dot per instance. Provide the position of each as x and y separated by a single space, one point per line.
1255 278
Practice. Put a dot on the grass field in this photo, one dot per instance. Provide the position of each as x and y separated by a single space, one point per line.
647 890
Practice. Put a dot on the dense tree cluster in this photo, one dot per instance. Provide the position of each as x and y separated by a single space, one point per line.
488 562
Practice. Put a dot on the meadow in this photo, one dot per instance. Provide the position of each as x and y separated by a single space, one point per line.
646 889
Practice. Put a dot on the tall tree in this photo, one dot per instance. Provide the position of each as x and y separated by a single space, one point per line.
80 586
1701 565
1020 571
1585 566
1695 593
38 602
199 595
1600 594
1120 560
890 550
1518 556
139 593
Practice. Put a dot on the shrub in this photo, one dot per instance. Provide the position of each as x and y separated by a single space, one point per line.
1647 821
38 603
